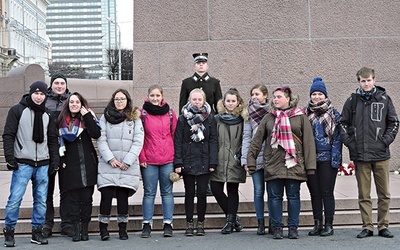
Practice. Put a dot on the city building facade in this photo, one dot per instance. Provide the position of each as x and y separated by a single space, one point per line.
81 32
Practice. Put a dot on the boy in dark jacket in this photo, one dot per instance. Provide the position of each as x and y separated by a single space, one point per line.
31 151
368 126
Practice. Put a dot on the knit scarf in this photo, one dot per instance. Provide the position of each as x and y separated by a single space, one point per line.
69 130
257 111
113 116
229 119
323 113
282 134
38 129
156 109
195 117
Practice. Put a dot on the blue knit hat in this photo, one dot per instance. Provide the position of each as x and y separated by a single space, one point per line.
318 85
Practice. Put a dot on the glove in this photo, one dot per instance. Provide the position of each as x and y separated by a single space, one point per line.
12 165
252 169
52 169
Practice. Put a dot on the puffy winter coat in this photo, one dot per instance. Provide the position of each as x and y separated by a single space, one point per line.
158 147
122 141
230 137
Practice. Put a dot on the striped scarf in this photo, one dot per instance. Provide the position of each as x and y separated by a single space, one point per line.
282 134
323 113
257 112
195 117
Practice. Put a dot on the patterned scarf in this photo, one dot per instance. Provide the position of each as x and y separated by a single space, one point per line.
195 117
282 134
257 111
70 129
323 113
366 95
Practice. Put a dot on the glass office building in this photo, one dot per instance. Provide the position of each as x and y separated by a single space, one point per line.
80 32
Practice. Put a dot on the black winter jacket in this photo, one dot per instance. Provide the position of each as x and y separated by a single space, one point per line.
196 158
375 126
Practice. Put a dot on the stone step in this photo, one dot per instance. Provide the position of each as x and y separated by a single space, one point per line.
347 214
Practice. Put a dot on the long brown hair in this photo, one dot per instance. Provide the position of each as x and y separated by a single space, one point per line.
65 112
128 110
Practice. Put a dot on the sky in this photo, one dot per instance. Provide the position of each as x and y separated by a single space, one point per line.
125 21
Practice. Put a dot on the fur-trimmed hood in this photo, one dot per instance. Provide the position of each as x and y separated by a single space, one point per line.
241 110
135 114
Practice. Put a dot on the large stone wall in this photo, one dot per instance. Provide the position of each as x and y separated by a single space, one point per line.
279 42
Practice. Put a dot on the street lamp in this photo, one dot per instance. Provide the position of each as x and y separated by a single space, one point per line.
119 46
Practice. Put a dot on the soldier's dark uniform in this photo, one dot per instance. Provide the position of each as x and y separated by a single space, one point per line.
210 85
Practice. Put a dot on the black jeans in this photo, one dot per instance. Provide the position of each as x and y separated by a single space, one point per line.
108 193
321 186
81 204
228 203
64 207
191 182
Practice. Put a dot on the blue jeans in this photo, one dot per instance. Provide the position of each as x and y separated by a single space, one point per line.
259 190
19 182
151 175
275 197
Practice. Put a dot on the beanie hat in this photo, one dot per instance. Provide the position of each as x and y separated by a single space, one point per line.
56 75
38 86
318 85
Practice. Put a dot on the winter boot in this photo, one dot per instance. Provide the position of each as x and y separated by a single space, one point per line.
85 231
200 228
146 231
238 225
270 227
230 221
122 220
189 228
316 229
261 226
8 237
328 230
77 232
37 237
104 220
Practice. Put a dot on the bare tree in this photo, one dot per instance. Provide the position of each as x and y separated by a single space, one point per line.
69 70
126 66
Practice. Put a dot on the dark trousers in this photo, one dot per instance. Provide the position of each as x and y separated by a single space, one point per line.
108 193
228 203
193 182
64 209
81 204
321 186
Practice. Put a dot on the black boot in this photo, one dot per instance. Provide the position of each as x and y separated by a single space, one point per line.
104 234
123 234
9 240
77 232
238 225
317 228
261 226
328 230
85 231
270 227
230 221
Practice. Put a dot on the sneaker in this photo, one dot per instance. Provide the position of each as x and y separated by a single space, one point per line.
69 231
293 234
47 232
167 230
146 230
200 228
37 237
278 234
189 229
8 237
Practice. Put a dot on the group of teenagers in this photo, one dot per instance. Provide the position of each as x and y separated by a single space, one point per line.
214 142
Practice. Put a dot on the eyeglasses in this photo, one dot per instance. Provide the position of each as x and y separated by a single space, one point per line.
119 99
